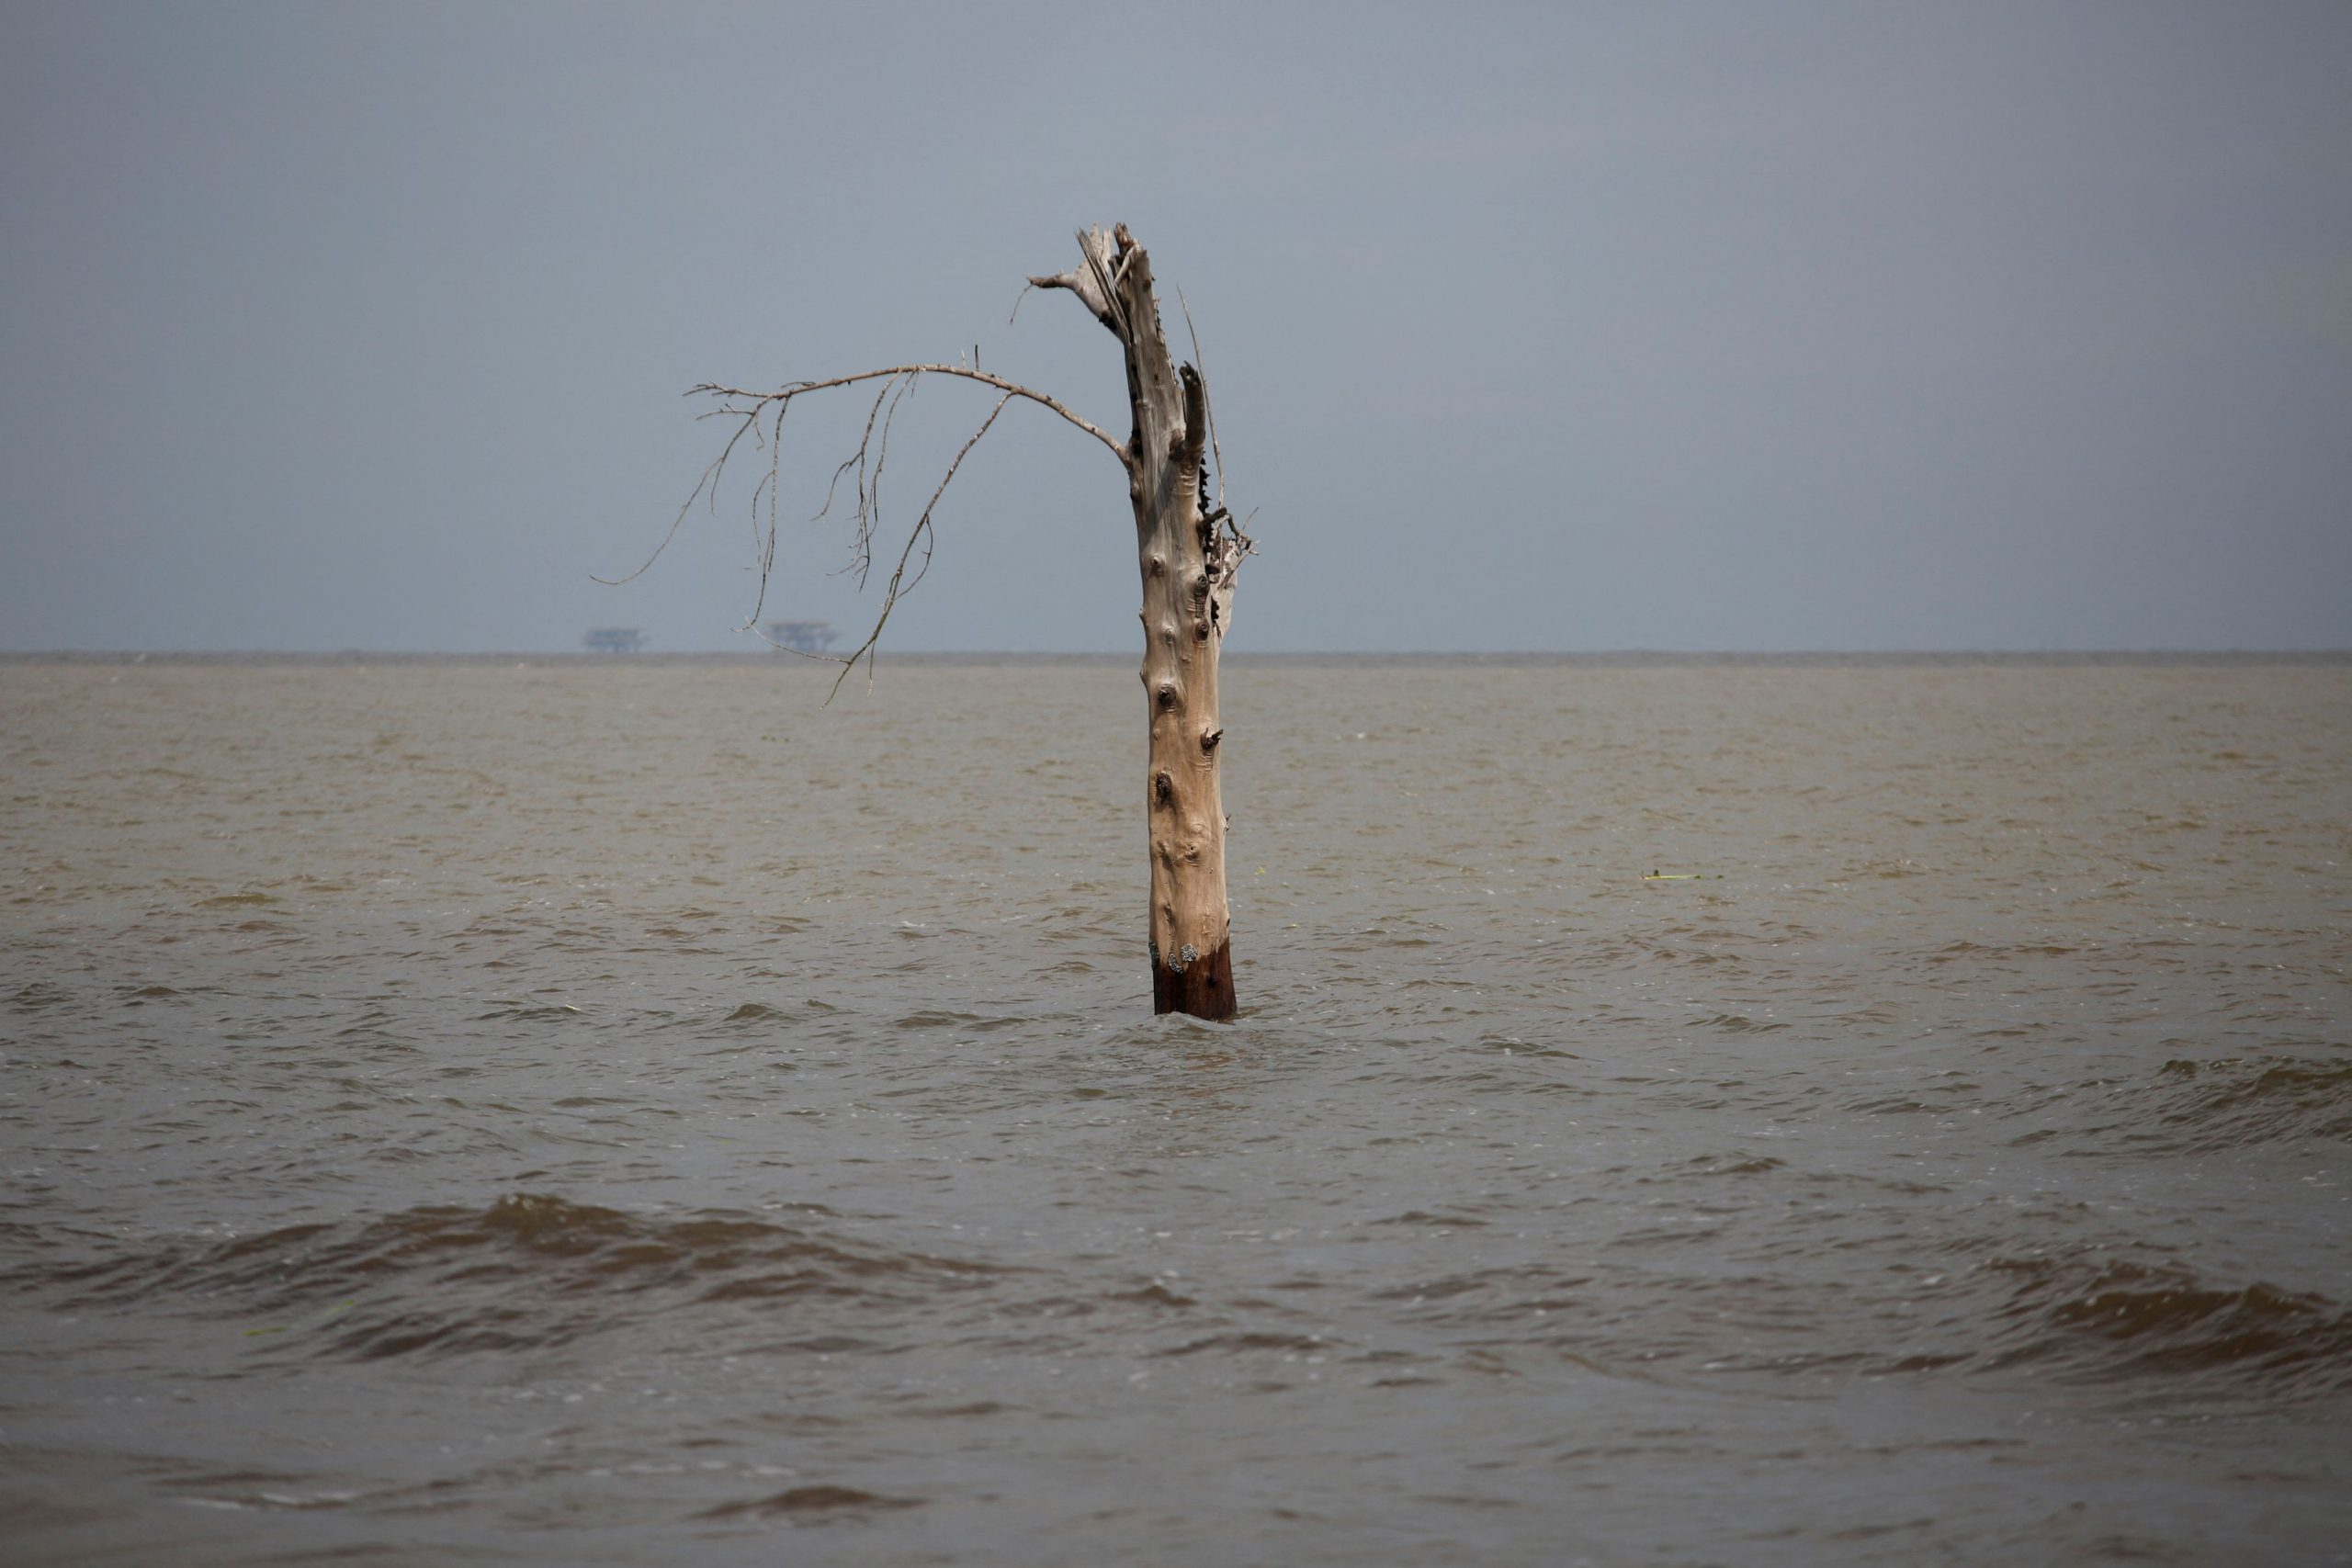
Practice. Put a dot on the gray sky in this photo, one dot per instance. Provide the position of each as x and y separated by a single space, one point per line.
1675 326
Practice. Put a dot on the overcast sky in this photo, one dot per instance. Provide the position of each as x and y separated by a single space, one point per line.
1765 326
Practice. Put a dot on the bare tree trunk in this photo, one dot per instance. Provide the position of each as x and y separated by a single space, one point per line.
1189 564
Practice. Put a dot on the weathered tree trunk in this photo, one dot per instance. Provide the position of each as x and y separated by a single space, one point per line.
1189 564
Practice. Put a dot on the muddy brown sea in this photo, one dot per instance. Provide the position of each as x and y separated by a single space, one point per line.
1684 1111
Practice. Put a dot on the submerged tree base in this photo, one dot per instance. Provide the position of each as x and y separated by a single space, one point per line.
1201 985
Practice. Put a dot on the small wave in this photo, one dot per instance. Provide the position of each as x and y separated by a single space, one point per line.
1733 1165
528 1270
1738 1023
39 995
2234 1102
2116 1321
1422 1217
1154 1294
973 1022
811 1503
1249 1341
521 1012
2191 1106
1510 1294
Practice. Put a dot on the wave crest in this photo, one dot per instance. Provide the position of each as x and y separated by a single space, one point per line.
528 1271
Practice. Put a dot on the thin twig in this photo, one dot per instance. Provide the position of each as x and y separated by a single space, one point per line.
766 547
920 534
869 507
709 481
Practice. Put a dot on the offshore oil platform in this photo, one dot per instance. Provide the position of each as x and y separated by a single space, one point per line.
799 636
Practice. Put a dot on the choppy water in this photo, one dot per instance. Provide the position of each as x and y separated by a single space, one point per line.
622 1112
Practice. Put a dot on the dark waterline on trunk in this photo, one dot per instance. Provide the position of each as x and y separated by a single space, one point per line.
1198 984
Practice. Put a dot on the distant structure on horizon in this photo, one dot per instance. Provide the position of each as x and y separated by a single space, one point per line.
613 639
801 637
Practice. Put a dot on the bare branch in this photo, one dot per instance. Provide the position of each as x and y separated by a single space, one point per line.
1096 284
751 410
1089 292
760 415
795 388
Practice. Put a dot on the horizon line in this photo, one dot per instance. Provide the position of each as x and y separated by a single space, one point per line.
785 657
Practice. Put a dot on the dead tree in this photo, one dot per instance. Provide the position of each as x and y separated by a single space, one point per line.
1189 551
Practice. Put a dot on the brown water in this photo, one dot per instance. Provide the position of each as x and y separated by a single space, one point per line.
623 1112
